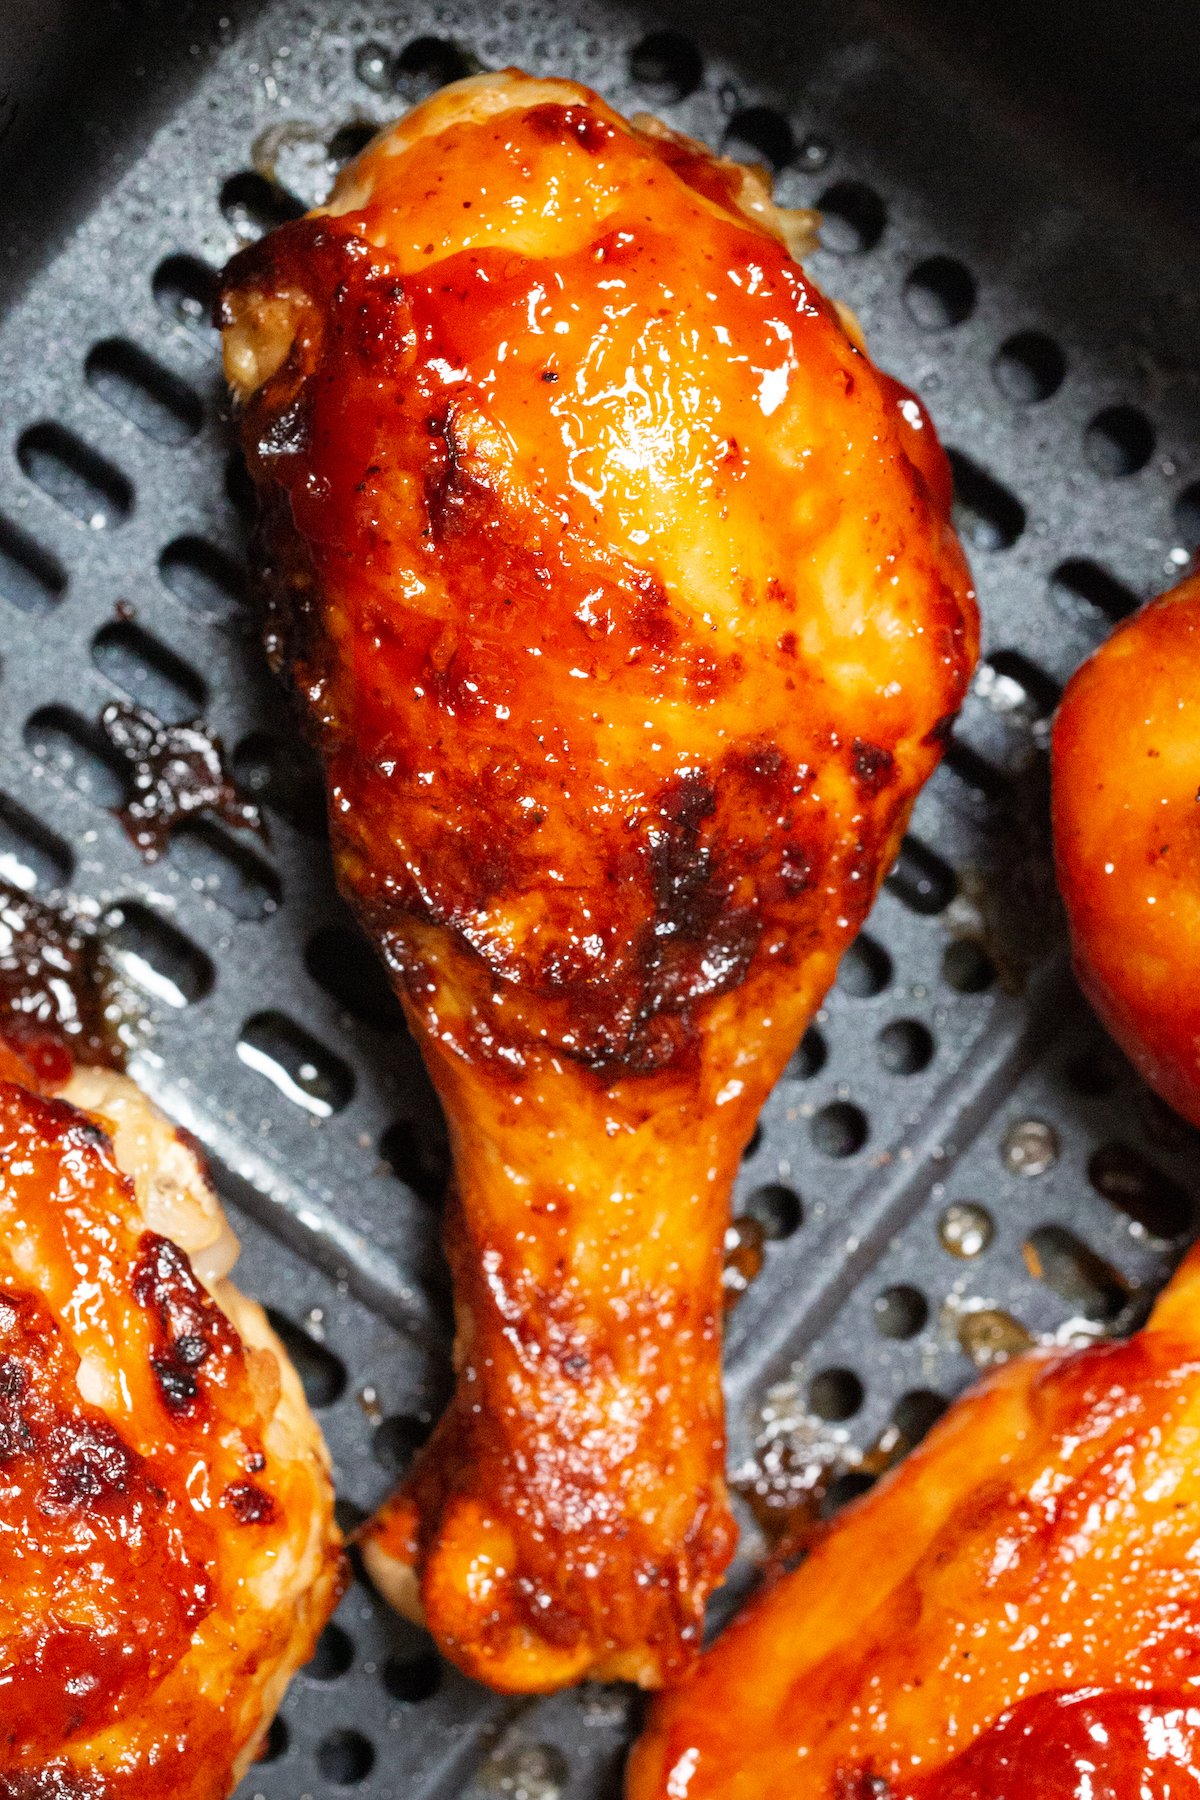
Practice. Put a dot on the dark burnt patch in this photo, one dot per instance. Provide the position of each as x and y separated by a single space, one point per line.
189 1327
175 773
16 1430
87 1466
576 124
874 767
249 1504
58 1780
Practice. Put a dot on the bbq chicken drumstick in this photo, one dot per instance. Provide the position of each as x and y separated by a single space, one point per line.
1126 781
167 1547
618 589
1013 1614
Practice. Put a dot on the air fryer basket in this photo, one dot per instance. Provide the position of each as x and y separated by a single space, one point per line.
956 1153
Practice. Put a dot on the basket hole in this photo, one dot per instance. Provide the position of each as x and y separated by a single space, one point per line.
1029 1148
396 1440
411 1679
350 140
1119 441
275 1744
840 1129
1016 685
809 1057
987 516
967 967
239 486
148 673
186 291
303 1070
341 961
1186 514
758 134
322 1374
421 1164
333 1656
835 1395
853 218
373 65
1076 1274
865 969
1161 1123
345 1758
916 1413
253 205
921 880
156 956
79 753
987 784
206 579
285 777
161 406
906 1047
1079 579
940 292
753 1142
30 578
667 65
777 1209
232 874
965 1229
1149 1198
75 476
900 1312
850 1485
31 856
428 63
1094 1073
1029 367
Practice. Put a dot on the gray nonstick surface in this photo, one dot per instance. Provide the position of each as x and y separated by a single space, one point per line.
955 1121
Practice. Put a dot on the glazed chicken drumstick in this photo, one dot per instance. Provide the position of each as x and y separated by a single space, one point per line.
1013 1614
618 589
167 1547
1126 770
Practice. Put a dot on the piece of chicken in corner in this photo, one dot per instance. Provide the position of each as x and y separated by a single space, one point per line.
618 589
1012 1613
1126 784
167 1548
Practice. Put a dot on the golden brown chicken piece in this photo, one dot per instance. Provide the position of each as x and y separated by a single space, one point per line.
1012 1614
167 1547
618 588
1126 769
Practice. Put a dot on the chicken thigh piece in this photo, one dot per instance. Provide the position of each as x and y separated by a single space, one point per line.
1126 793
1012 1614
618 590
167 1547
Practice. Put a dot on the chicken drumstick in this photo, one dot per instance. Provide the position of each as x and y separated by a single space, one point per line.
1127 838
618 589
1013 1613
167 1547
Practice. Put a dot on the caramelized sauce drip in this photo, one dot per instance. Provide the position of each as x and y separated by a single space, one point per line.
789 1488
175 772
743 1259
54 988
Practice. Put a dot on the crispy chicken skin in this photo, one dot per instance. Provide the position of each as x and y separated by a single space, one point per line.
618 589
1126 778
1012 1614
167 1547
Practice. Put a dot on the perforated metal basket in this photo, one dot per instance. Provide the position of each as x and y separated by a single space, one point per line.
955 1155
